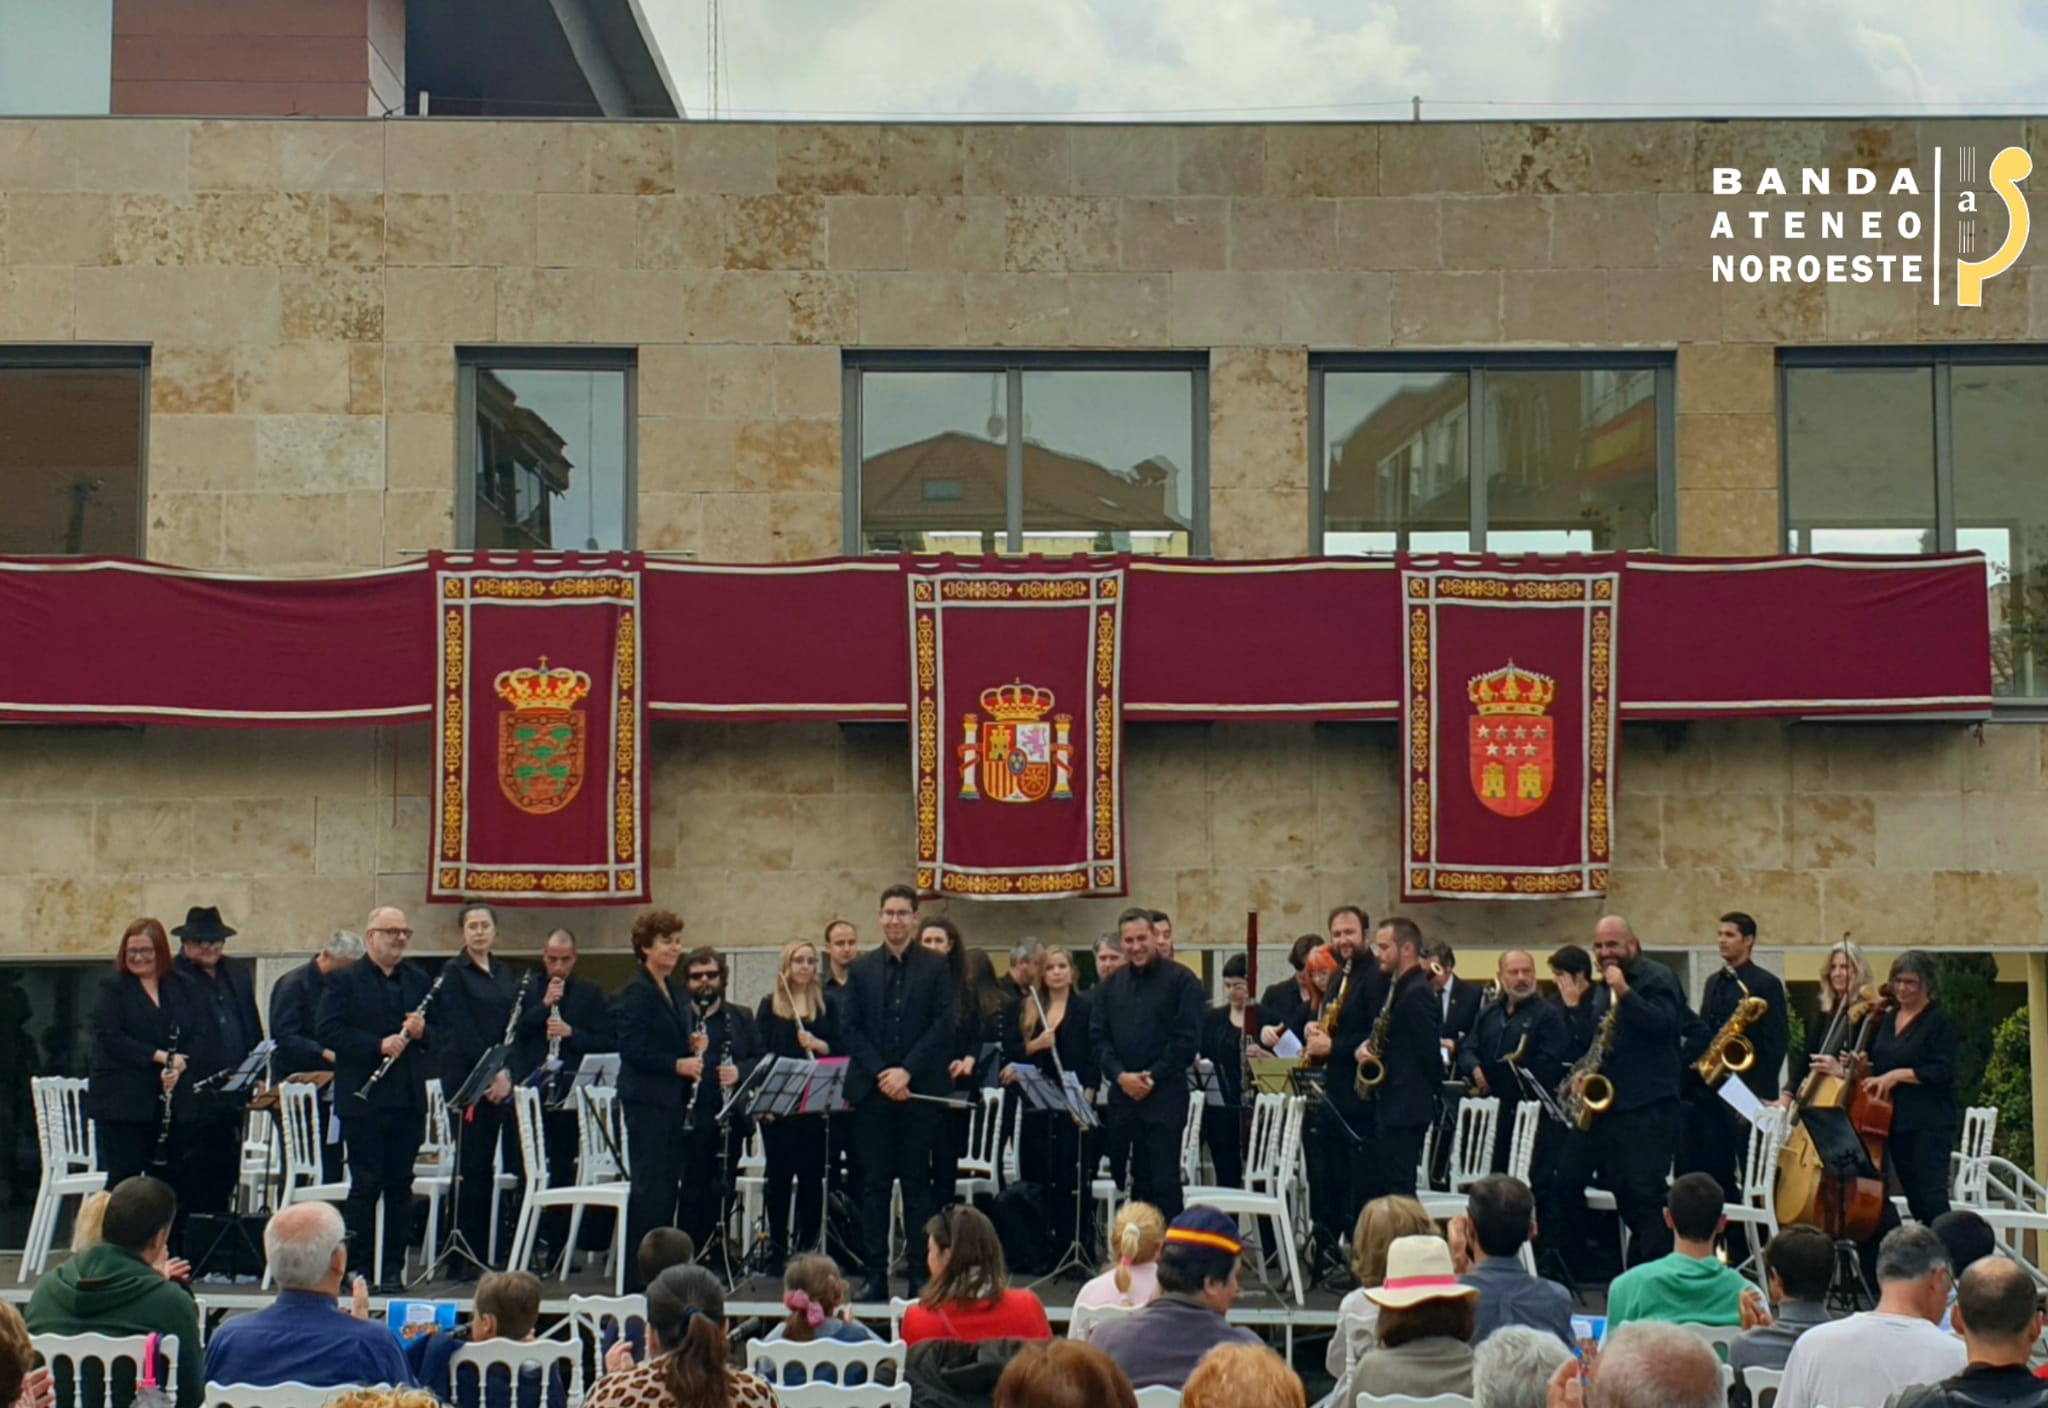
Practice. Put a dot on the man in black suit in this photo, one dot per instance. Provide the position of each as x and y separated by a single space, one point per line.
367 1014
1337 1135
571 1018
732 1047
210 1160
1457 1002
1714 1134
1521 1025
1147 1025
896 1023
1405 1102
294 1026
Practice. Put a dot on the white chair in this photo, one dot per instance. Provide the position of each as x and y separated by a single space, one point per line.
868 1395
778 1357
271 1395
1522 1157
1758 1209
1085 1320
71 1163
1721 1337
597 1116
433 1171
1191 1142
980 1163
1158 1396
548 1356
1763 1385
751 1182
603 1319
1471 1155
84 1364
298 1108
1267 1187
577 1197
1408 1400
1980 1128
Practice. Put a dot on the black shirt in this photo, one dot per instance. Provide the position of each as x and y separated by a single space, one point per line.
1928 1048
2003 1385
731 1040
1362 1005
1412 1053
1282 1005
1580 1023
584 1009
1075 1040
1223 1045
358 1009
228 994
1148 1019
1645 1059
1500 1028
1770 1036
294 1017
897 1012
778 1034
475 1007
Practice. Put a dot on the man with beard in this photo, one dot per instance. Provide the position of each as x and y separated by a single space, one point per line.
1405 1101
733 1046
210 1144
1337 1135
1518 1024
1147 1026
573 1018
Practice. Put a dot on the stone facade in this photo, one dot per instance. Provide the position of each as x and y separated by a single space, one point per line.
303 286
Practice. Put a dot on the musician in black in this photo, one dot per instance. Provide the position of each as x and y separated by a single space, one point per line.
475 1009
571 1018
1405 1103
294 1026
1223 1047
1457 1001
1913 1065
1571 970
367 1015
210 1161
1631 1145
143 1027
660 1058
1049 1030
712 1147
896 1026
796 1023
1147 1026
1518 1023
963 1047
1715 1135
1336 1134
1292 1003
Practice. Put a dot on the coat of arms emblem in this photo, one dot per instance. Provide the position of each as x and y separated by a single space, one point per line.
1513 764
540 738
1016 754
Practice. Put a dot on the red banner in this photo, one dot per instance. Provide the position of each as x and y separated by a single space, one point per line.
1017 731
1508 728
542 723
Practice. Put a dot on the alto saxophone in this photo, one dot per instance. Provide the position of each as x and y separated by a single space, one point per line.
1372 1071
1595 1093
1730 1052
1327 1022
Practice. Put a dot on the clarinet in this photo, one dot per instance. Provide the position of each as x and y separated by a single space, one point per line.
162 1154
697 1029
389 1061
554 1042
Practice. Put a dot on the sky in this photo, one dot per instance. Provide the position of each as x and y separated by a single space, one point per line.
1280 60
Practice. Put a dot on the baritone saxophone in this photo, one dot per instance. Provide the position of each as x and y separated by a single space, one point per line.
1731 1052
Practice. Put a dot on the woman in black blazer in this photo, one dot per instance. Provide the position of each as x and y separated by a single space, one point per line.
1053 1018
144 1028
949 1142
659 1049
794 1146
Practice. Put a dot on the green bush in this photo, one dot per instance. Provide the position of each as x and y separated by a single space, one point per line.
2007 1084
1966 986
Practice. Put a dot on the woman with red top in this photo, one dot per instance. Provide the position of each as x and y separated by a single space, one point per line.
968 1297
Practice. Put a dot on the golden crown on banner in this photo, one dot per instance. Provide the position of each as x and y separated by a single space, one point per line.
1016 702
543 688
1511 690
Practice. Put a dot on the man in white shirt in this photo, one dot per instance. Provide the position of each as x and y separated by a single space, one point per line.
1863 1360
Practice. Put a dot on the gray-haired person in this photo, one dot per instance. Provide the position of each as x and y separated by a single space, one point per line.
1867 1358
294 1013
1649 1364
1511 1368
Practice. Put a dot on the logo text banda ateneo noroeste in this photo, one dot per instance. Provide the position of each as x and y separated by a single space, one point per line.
1794 233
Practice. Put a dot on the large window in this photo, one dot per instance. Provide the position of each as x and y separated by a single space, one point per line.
1917 450
1574 454
546 450
1008 454
71 450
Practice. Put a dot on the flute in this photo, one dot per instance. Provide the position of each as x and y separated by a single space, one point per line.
389 1061
797 1012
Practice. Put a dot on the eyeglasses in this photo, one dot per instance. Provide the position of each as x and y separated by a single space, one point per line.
395 933
206 943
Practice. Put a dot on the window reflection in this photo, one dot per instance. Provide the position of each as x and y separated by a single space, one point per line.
2000 420
933 461
549 458
71 460
1859 459
1571 460
1395 474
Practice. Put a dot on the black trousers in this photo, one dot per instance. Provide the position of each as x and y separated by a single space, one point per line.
1631 1151
794 1149
1713 1141
209 1157
1223 1137
1391 1165
1333 1160
707 1187
1919 1160
1154 1146
892 1143
1047 1146
654 1143
126 1147
482 1132
383 1145
949 1146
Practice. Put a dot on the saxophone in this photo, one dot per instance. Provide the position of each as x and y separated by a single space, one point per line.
1596 1092
1333 1009
1372 1071
1730 1052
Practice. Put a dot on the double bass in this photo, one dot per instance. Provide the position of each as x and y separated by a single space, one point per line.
1849 1204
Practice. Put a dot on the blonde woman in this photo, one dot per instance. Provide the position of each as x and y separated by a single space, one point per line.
1136 1237
795 1022
1844 973
1379 1224
1050 1030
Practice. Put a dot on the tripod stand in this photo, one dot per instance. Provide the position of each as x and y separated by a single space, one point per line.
488 1067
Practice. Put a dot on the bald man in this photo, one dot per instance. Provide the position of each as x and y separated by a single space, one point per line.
1518 1023
1630 1145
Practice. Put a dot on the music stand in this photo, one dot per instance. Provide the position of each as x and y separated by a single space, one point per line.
824 1096
1066 1099
466 1098
1271 1074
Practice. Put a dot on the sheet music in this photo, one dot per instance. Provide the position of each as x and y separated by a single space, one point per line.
1288 1047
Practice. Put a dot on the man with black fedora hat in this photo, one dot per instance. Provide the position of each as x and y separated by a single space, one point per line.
225 989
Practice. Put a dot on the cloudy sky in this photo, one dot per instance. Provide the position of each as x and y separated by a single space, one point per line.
1277 60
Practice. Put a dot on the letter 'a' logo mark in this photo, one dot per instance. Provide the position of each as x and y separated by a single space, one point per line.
2008 169
1513 761
541 737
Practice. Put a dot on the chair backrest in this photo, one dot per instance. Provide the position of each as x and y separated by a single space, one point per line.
1409 1400
440 1134
1980 1125
1760 1168
299 1104
1522 1139
1721 1337
1287 1141
1265 1115
533 1144
1087 1319
596 1115
1191 1141
547 1356
1472 1145
1763 1385
84 1366
68 1140
272 1395
778 1357
867 1395
1158 1396
985 1136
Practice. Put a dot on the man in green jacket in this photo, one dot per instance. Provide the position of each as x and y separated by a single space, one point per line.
114 1288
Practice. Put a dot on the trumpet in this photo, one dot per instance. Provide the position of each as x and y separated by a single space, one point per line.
1372 1071
389 1061
1730 1052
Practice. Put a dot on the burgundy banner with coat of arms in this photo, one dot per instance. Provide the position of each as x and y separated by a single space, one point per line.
1509 728
541 722
1017 729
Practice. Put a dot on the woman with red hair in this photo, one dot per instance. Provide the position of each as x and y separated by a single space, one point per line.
143 1027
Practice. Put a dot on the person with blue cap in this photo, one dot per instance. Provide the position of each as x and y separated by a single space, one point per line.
1198 1266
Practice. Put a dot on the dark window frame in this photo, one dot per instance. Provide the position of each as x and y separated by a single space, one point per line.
1014 365
62 356
470 360
1476 365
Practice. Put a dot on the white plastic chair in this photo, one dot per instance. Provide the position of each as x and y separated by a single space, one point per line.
1191 1142
983 1156
777 1357
1085 1320
597 1115
433 1171
271 1395
1159 1396
1721 1337
1471 1156
1522 1157
576 1197
298 1108
70 1357
1763 1385
1758 1208
1267 1186
751 1183
867 1395
546 1355
595 1315
1980 1128
71 1163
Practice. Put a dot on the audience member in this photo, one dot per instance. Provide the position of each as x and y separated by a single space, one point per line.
1998 1313
1198 1266
384 1398
1063 1374
21 1386
1501 1219
85 1228
686 1352
1243 1376
1511 1367
1136 1236
662 1248
1868 1357
1689 1285
967 1296
1425 1324
1799 1264
1379 1223
1969 1240
1644 1365
117 1288
303 1338
508 1308
815 1295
